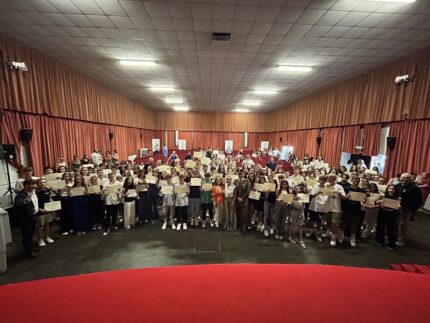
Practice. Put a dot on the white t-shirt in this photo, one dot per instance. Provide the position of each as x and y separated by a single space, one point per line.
334 202
318 163
112 198
320 202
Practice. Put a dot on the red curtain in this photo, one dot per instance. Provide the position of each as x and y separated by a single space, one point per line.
55 136
351 138
372 135
412 150
330 145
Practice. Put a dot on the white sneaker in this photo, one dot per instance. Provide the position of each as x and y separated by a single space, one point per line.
65 233
185 226
266 233
353 244
212 223
302 244
49 240
41 243
217 225
127 227
204 224
400 243
192 222
333 242
178 227
173 227
164 225
105 234
272 231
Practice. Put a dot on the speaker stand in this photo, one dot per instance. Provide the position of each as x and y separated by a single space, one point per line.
9 190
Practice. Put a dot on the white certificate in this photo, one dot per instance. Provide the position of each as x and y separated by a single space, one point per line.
198 154
52 206
57 185
357 196
106 172
207 187
271 187
196 181
167 189
181 189
164 168
53 177
131 193
303 198
372 172
285 197
259 187
151 179
205 161
328 191
391 203
93 189
87 179
162 182
254 195
311 182
190 164
77 191
382 188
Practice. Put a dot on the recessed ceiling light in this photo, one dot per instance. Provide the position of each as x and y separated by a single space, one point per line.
162 88
251 103
404 1
292 68
173 100
181 108
137 63
241 110
265 91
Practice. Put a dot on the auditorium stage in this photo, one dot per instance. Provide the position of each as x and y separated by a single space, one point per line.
222 293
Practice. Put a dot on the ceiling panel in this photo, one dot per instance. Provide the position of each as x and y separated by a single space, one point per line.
339 38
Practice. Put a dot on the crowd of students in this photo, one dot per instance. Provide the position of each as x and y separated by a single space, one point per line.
228 192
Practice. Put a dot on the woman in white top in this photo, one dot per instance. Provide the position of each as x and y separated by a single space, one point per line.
229 205
181 203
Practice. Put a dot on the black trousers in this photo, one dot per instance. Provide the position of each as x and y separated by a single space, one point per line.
28 226
181 214
205 207
386 220
153 205
111 214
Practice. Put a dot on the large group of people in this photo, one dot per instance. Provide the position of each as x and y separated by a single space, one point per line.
234 192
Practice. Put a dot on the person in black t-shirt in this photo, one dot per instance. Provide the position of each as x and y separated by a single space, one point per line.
44 218
352 210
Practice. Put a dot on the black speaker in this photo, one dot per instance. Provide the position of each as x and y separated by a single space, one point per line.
7 151
110 135
26 135
391 142
319 140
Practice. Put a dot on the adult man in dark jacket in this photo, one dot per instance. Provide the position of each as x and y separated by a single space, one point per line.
26 207
411 201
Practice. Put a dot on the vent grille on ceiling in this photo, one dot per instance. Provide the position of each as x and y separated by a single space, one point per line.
221 36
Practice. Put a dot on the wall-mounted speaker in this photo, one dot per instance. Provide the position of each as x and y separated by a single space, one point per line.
26 135
7 151
110 135
319 140
391 142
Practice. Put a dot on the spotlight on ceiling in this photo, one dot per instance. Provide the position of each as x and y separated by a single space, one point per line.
162 88
137 63
292 68
265 91
241 110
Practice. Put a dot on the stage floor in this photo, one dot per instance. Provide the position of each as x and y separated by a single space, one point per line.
149 246
222 293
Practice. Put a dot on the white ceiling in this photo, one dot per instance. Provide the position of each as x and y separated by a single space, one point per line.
339 38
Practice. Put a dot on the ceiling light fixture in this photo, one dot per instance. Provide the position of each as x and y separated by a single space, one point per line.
181 108
241 110
292 68
401 1
173 100
162 88
251 103
137 63
265 92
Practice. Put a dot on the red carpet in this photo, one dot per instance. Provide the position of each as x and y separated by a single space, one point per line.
222 293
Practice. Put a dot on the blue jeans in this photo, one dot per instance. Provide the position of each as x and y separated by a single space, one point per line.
269 211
